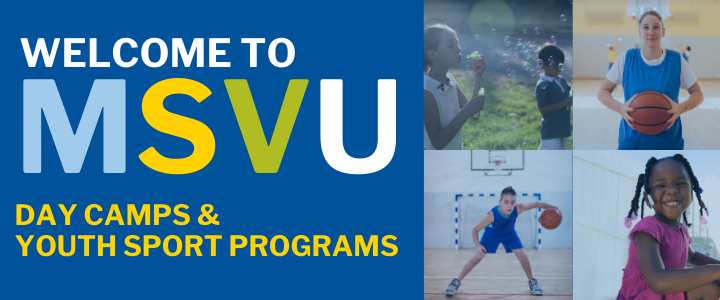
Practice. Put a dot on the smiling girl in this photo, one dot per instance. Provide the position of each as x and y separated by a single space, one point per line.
660 244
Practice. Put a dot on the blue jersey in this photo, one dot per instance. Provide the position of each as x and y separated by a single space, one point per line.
501 225
664 78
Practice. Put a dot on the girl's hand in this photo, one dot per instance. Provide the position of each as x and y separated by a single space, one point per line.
475 105
480 253
625 109
676 111
479 67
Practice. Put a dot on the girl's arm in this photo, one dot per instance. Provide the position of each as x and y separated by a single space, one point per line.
440 137
480 226
463 100
699 259
528 206
696 98
479 67
605 97
669 281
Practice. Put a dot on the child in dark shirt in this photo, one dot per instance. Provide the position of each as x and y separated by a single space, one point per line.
553 99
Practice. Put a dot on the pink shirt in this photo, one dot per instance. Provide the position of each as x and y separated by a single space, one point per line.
674 243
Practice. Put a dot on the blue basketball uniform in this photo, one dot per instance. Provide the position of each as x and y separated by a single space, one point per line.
664 78
501 230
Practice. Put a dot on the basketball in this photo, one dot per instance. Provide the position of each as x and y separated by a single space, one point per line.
650 112
550 218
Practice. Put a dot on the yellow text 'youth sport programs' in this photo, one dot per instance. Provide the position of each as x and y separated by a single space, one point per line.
173 245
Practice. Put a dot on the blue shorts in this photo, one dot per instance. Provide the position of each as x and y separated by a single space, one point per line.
510 241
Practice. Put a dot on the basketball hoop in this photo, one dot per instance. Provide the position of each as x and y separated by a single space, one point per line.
496 162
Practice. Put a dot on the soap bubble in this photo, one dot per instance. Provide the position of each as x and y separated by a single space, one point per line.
526 66
560 66
477 36
507 42
508 72
505 57
526 54
539 61
518 47
532 72
553 39
507 38
516 55
492 56
493 31
537 30
510 51
524 31
543 84
513 120
563 17
550 60
519 41
513 73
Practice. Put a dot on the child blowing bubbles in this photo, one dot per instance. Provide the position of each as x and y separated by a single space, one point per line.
446 107
660 245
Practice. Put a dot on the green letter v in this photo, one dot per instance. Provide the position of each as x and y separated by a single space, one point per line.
265 157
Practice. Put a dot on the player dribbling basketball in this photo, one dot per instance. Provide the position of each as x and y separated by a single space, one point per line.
499 225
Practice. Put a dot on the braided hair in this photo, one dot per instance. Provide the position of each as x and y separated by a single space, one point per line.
644 181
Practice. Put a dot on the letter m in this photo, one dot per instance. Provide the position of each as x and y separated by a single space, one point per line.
41 97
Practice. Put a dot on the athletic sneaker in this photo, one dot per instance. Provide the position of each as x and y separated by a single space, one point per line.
535 287
452 288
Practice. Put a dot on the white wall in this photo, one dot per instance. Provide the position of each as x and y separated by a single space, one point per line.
448 173
591 53
603 186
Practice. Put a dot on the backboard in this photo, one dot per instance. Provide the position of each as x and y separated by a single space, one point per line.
497 160
635 8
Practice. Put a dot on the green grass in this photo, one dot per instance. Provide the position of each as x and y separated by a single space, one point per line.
503 96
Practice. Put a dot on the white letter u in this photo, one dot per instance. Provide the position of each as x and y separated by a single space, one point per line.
331 128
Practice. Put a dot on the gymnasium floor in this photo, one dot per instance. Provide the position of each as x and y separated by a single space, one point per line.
499 276
595 127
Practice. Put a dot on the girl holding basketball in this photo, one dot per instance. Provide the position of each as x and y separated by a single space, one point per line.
660 244
651 68
446 106
499 225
